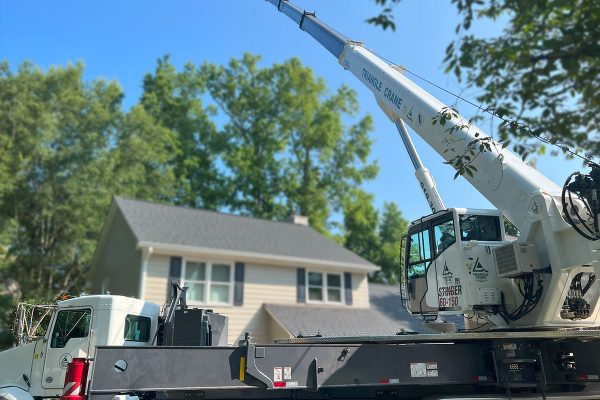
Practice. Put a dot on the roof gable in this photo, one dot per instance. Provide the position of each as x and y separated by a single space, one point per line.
181 227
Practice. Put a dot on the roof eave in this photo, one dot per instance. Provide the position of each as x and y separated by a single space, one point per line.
256 257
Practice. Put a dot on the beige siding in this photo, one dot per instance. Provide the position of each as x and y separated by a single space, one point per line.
360 290
157 276
119 265
262 284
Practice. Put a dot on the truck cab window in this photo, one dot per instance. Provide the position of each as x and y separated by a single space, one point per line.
480 227
137 328
70 324
444 235
419 253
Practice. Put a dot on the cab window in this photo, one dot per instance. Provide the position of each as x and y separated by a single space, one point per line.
137 328
480 227
444 235
70 324
419 253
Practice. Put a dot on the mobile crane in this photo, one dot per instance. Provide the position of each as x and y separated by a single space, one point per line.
538 293
458 260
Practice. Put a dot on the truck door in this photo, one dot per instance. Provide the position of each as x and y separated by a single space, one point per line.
418 257
70 338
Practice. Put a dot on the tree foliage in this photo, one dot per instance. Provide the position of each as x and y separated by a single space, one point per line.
393 226
287 149
374 236
68 148
55 130
174 100
542 71
143 159
360 225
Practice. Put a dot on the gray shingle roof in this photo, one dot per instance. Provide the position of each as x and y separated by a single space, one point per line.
171 225
386 316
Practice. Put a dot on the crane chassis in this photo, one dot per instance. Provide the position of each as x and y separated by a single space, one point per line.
528 365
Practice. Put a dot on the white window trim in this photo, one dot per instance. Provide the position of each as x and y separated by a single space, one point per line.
324 287
208 281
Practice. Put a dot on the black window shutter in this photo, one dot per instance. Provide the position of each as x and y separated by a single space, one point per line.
238 288
301 286
174 274
348 287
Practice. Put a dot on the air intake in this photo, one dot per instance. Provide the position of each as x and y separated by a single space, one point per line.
516 259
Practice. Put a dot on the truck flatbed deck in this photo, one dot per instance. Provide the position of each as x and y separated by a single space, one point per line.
513 364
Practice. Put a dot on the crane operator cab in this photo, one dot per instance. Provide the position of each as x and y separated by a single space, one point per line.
449 262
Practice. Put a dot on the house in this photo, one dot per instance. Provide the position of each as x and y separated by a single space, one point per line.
272 279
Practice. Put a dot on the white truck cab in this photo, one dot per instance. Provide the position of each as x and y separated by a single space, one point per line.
77 326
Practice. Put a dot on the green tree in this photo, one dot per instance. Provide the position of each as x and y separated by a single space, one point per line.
360 225
542 71
288 150
374 236
55 132
174 100
393 227
142 162
248 96
326 159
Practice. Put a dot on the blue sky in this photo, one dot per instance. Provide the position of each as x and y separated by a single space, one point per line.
122 40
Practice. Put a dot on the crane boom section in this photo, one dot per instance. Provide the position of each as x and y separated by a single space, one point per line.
502 177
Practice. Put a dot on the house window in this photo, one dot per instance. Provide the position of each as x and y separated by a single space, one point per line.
208 283
324 288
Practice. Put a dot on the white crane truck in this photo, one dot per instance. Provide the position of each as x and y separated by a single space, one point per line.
537 296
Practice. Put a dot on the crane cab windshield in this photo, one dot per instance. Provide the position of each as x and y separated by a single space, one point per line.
480 227
431 236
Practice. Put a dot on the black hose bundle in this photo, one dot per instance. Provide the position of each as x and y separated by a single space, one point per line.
530 298
586 188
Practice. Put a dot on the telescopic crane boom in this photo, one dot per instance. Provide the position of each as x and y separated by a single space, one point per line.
544 278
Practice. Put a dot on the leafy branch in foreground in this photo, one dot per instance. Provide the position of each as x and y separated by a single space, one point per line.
385 19
543 68
463 162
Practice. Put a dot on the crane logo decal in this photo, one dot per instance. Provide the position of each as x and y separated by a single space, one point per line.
447 274
64 360
480 274
448 296
446 270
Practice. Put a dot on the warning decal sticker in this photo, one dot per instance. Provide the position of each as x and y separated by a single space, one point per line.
418 370
424 370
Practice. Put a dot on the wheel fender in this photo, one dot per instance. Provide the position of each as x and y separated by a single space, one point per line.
14 393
